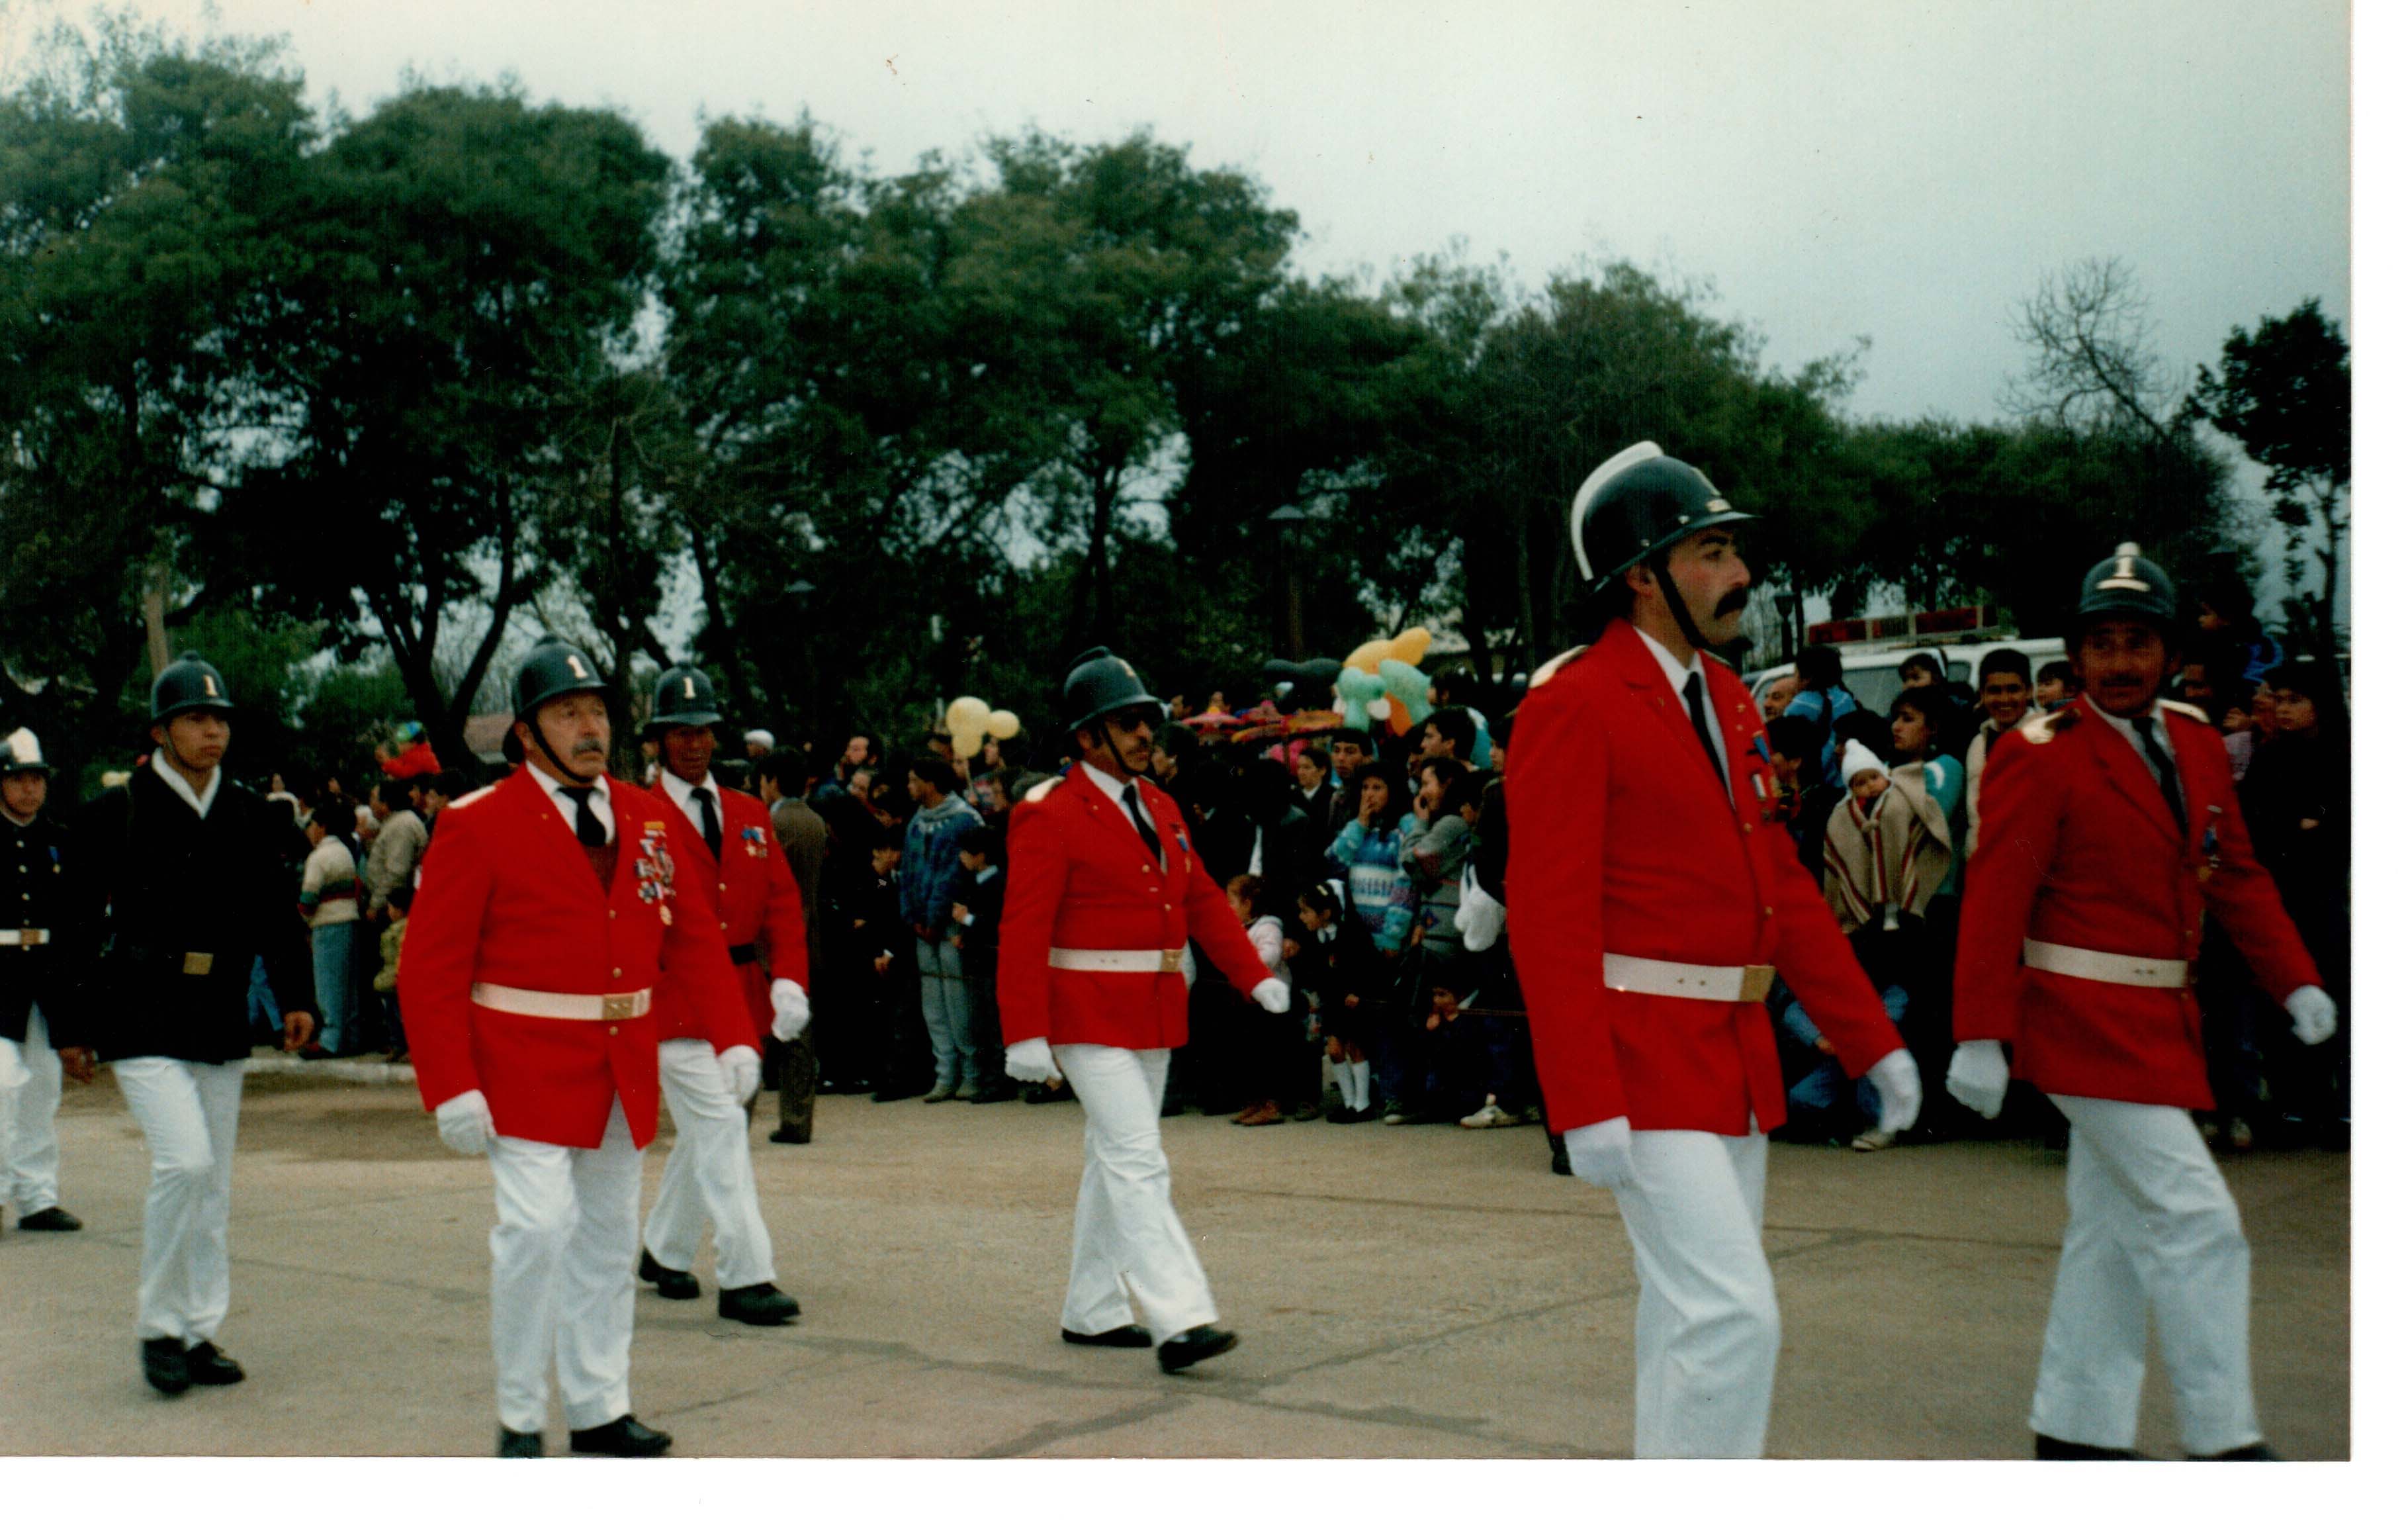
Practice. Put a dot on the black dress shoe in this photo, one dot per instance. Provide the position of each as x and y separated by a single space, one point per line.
1189 1348
672 1284
786 1135
206 1364
996 1093
757 1304
519 1444
1126 1336
52 1218
625 1437
892 1096
163 1365
2257 1452
2048 1449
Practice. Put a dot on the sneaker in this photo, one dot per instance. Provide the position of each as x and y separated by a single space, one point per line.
938 1094
1875 1140
1392 1112
1262 1113
968 1093
1489 1116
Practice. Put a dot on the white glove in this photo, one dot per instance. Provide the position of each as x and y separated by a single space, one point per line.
2313 1018
1977 1077
1030 1060
466 1123
741 1067
794 1006
12 1069
1271 994
1600 1152
1900 1087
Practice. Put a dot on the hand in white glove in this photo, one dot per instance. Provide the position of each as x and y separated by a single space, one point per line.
1600 1152
1900 1087
1271 994
792 1006
1977 1077
1030 1060
466 1123
2313 1018
741 1067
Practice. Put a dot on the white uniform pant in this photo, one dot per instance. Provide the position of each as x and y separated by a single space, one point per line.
564 1250
1126 1242
1708 1331
710 1173
29 1124
188 1113
2150 1227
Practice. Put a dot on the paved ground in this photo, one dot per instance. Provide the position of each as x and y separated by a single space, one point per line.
1418 1292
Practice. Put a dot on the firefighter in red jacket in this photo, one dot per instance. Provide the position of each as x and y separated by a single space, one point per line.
1654 897
1105 892
547 949
2109 829
738 881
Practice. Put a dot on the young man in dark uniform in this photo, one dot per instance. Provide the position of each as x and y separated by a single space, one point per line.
176 881
33 906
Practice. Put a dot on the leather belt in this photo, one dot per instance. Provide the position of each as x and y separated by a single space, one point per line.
743 955
1147 961
2106 965
1680 980
24 937
522 1000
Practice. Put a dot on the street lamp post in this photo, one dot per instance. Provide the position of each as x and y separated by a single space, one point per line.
1290 587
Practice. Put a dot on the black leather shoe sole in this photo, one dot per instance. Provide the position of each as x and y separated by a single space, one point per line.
757 1304
784 1137
625 1437
1126 1336
671 1283
52 1218
205 1364
519 1444
1193 1347
2052 1450
164 1366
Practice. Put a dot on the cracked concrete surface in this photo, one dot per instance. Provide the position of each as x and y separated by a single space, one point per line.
1401 1293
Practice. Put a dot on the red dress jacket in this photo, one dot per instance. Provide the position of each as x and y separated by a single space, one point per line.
1081 879
2079 848
1624 841
508 898
750 893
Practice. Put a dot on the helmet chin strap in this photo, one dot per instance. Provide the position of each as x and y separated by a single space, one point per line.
1660 566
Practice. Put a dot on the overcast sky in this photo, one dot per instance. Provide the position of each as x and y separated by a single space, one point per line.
1898 171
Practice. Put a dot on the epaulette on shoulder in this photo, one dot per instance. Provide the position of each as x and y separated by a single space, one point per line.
1038 793
2039 728
466 798
2185 710
1547 672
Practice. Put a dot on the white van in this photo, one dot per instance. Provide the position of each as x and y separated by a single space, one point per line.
1870 672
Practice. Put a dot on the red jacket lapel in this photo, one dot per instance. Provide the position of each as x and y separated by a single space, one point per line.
1637 666
559 837
2126 771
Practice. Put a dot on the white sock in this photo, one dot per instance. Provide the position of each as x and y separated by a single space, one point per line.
1362 1071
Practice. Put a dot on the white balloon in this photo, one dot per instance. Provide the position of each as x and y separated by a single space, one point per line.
1378 709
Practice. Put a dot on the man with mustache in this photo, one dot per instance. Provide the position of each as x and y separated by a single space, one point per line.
550 939
1105 892
1655 896
2110 828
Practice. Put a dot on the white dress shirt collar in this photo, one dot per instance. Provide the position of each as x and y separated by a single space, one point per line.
176 784
681 792
1114 788
564 798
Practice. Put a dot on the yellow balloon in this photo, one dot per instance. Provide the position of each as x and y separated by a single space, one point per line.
1002 724
1409 646
1367 656
966 713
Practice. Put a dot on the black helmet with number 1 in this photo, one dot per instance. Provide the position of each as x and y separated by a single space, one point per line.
684 696
554 668
1631 511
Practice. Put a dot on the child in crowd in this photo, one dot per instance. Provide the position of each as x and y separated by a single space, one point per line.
902 1041
396 915
977 914
1370 852
1267 1060
2055 685
1335 963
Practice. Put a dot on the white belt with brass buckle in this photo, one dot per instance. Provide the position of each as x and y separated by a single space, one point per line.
24 937
1070 959
522 1001
1680 979
2105 966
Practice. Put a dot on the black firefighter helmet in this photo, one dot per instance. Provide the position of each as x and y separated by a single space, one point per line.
683 695
2130 584
1637 505
1101 683
554 668
189 683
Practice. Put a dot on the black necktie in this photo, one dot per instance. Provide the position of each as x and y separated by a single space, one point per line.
709 821
1696 693
2163 765
590 832
1136 816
